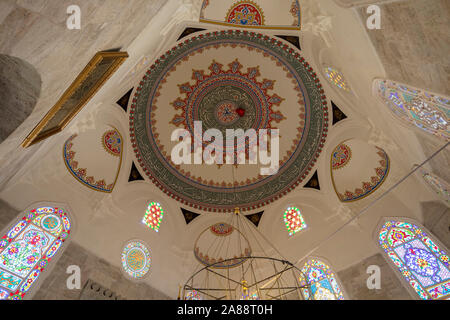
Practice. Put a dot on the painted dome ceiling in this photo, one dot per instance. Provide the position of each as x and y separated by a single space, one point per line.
222 246
358 169
280 14
229 80
93 157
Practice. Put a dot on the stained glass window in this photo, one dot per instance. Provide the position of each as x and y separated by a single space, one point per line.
153 216
426 111
438 185
320 282
336 78
193 295
27 249
136 259
294 220
421 262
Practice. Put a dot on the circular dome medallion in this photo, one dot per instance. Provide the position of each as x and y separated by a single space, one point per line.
229 80
136 259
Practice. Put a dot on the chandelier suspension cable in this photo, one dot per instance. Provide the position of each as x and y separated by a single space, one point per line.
236 213
247 224
365 209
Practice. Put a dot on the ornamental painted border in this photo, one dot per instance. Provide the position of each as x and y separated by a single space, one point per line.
373 188
318 106
67 162
296 26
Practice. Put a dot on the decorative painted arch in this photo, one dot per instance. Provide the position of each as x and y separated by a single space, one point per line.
321 282
255 14
357 169
415 107
419 259
29 246
94 157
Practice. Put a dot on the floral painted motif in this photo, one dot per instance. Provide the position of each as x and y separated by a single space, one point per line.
26 251
81 173
219 263
245 13
421 262
376 180
112 142
221 229
177 181
341 156
226 92
204 5
295 11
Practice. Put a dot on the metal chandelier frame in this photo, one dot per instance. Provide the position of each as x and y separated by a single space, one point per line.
247 280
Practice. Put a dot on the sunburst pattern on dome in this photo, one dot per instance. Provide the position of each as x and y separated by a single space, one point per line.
265 84
221 98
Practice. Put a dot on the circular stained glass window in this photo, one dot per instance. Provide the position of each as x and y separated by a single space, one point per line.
51 223
136 259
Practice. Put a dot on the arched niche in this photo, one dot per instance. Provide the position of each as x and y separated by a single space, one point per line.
20 88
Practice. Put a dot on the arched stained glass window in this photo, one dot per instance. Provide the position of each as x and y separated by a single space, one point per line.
438 185
420 261
426 111
321 280
294 220
336 78
153 216
28 247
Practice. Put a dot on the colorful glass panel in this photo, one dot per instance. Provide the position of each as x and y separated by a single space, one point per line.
421 262
193 295
153 216
136 259
438 185
426 111
26 249
294 220
336 78
320 282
